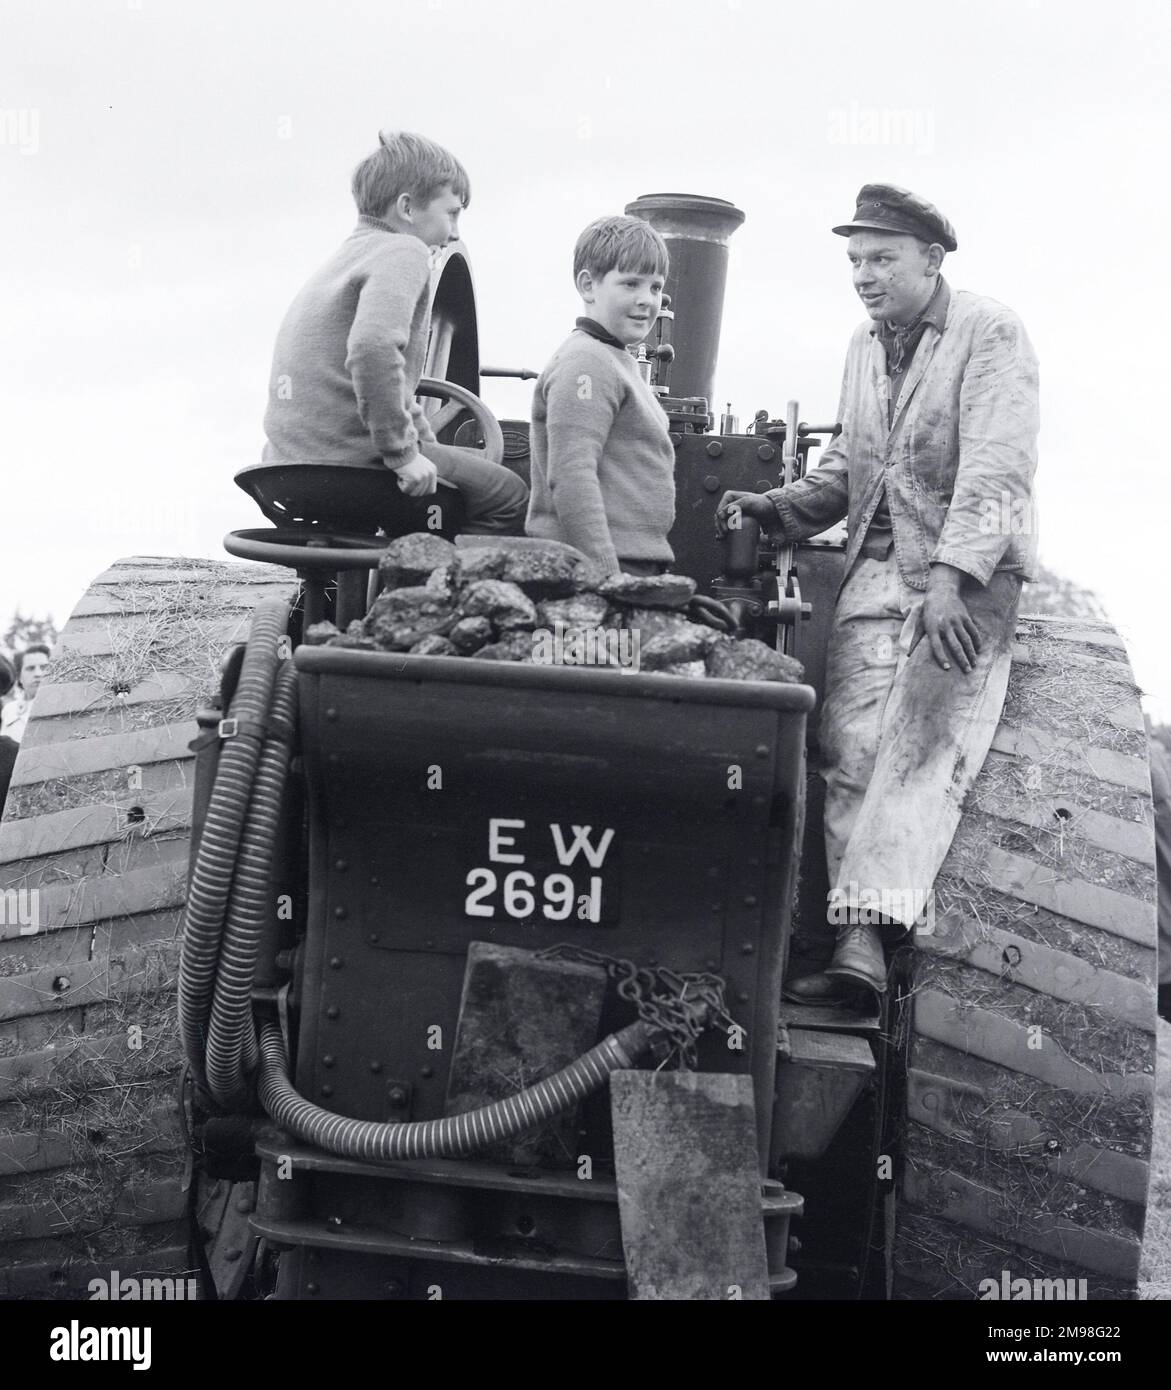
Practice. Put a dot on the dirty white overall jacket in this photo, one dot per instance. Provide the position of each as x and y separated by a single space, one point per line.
902 740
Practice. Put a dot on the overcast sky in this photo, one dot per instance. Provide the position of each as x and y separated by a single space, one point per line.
171 172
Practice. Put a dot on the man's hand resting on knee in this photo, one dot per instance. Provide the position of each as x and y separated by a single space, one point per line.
950 628
417 478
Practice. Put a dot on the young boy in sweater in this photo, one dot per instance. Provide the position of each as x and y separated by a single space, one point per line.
603 475
351 349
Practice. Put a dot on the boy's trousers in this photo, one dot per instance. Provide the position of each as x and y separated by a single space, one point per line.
495 499
902 739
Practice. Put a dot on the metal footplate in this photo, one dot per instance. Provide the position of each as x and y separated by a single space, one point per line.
444 1228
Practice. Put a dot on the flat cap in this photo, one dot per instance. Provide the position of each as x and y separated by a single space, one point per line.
884 207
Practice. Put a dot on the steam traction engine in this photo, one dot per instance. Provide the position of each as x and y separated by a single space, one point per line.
480 990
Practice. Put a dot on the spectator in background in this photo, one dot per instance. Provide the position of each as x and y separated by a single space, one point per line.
8 746
31 666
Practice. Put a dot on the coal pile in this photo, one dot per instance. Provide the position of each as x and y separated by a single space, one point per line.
544 603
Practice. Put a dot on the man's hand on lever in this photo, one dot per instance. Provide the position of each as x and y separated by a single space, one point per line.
950 628
733 505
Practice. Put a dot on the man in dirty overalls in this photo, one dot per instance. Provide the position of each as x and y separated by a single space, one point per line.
934 471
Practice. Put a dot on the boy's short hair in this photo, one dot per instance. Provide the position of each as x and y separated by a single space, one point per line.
620 243
406 163
7 674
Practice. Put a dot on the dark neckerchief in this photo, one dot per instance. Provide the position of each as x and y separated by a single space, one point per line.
897 339
595 330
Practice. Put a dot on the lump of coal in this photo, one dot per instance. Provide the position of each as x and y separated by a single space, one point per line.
439 580
688 642
505 604
750 660
549 569
694 669
434 645
654 622
356 643
399 618
470 634
513 646
318 634
648 590
581 610
411 559
476 562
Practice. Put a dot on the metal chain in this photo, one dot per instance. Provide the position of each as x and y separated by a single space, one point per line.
679 1007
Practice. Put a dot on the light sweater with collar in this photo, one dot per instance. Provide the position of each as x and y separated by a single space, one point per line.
603 465
349 355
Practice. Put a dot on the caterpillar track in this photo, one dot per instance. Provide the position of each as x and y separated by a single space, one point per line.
1027 1027
95 1167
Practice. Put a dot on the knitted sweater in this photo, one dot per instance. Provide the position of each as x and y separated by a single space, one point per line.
603 466
349 355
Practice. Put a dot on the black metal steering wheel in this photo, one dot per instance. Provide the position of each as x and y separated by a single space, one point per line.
459 399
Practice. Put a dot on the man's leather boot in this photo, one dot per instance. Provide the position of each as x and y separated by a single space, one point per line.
859 959
859 963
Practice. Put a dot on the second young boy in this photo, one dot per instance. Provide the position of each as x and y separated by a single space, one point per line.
603 465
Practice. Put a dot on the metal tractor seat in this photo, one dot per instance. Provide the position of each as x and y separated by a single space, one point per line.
332 521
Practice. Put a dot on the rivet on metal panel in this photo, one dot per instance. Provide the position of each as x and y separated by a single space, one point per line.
765 453
376 1067
711 483
372 938
375 881
762 750
747 948
393 1288
742 996
335 962
331 713
396 1095
312 1288
328 1060
333 1011
340 865
339 912
327 1089
427 1072
714 449
749 899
